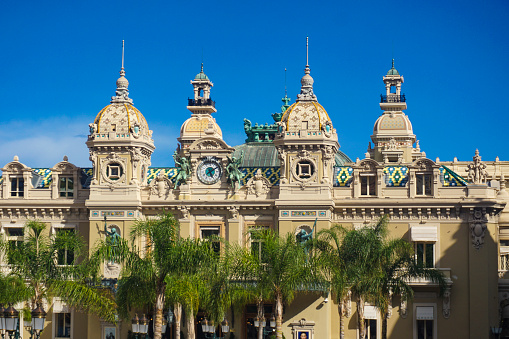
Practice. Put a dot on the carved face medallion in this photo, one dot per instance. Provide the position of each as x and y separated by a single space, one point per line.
209 171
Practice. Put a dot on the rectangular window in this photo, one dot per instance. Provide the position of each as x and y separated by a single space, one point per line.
17 187
425 322
425 253
65 256
14 241
257 244
504 255
423 184
211 232
66 187
368 185
424 329
370 325
63 325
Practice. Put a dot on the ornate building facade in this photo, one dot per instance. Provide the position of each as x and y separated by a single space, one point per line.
287 175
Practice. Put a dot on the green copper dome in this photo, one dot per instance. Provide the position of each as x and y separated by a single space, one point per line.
393 71
201 75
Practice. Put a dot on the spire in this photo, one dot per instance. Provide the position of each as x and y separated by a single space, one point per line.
122 93
285 100
306 90
393 71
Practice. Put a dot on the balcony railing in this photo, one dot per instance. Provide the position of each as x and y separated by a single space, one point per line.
201 102
392 98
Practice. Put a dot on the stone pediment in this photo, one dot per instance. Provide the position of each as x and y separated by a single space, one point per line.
210 144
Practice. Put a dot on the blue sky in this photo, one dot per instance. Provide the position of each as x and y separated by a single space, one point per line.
60 60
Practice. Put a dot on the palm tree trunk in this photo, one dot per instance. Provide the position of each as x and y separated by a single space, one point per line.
158 320
360 311
384 325
341 307
279 317
177 310
259 306
190 324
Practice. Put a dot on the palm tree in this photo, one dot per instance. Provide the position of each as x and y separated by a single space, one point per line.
382 267
166 268
332 264
282 268
49 267
395 267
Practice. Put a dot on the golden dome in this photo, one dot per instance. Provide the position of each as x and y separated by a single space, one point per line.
308 115
393 123
198 126
121 118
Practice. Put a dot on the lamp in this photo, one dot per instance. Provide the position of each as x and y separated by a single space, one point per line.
224 326
11 319
143 324
2 317
135 324
272 321
212 327
170 317
38 318
205 325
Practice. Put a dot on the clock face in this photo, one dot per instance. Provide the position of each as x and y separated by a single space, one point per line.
209 171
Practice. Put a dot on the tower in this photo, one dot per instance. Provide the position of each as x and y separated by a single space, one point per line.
307 144
392 134
201 123
120 146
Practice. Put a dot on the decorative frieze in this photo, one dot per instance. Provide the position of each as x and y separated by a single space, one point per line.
304 214
477 221
115 214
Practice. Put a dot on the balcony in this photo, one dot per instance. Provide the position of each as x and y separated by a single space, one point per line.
391 98
201 102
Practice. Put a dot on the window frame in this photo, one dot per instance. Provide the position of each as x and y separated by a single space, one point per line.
415 320
425 245
420 188
59 307
19 192
371 188
68 192
55 228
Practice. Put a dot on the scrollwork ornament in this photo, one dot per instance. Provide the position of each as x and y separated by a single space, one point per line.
161 185
258 184
446 304
478 226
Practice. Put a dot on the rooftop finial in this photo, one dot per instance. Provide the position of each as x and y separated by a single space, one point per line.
122 93
122 54
202 67
286 92
307 51
392 62
122 71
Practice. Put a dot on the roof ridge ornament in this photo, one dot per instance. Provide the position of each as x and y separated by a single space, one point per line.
122 93
306 90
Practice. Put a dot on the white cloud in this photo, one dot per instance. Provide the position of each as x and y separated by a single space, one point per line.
44 143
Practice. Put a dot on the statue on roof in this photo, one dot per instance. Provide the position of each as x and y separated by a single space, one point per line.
477 173
233 173
183 169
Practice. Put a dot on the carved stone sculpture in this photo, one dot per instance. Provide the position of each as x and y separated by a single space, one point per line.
161 185
477 172
258 184
477 221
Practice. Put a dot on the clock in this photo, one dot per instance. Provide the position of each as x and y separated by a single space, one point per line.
209 171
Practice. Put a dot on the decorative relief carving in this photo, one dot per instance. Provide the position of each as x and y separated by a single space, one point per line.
477 172
161 185
403 308
113 159
446 305
478 226
185 212
258 184
234 212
